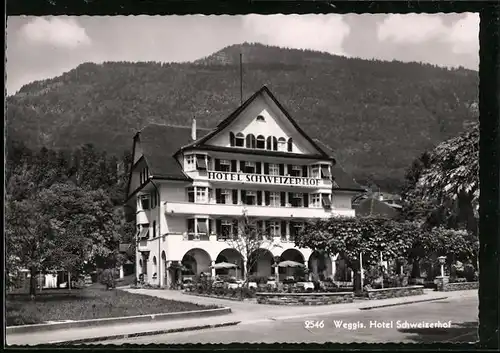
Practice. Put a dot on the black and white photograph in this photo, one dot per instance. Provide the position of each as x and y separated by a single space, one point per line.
242 179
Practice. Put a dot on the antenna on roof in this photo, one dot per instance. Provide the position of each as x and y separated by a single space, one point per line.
241 78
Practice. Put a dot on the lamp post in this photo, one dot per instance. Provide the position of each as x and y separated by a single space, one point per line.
442 261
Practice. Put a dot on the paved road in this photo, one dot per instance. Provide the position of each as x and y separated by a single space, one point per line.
461 312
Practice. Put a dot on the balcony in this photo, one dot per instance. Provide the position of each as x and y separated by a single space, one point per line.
188 208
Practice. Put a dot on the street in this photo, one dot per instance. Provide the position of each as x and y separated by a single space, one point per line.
345 327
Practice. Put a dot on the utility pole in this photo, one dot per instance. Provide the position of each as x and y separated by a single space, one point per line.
241 78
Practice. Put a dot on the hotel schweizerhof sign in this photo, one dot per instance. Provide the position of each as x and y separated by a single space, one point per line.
262 179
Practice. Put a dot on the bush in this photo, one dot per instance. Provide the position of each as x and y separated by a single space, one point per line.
107 278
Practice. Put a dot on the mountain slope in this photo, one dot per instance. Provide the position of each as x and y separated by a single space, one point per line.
377 116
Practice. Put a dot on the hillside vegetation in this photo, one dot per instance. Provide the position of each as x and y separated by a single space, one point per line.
377 116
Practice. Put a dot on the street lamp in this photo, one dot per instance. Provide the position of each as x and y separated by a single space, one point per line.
442 261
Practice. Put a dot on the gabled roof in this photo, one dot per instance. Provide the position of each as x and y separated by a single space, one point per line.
374 207
343 180
226 122
159 144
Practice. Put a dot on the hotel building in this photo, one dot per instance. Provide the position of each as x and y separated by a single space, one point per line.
190 187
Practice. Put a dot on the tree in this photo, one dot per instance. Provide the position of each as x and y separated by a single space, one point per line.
449 183
251 242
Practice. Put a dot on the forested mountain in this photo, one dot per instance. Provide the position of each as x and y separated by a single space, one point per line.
377 116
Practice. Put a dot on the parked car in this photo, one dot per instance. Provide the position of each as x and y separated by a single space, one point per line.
233 283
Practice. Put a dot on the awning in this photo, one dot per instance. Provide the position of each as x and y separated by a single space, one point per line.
290 263
325 173
223 265
200 163
144 233
202 227
326 201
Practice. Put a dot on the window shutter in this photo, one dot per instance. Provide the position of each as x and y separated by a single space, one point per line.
306 200
282 169
233 166
267 198
283 228
290 145
258 168
218 226
275 144
304 171
217 164
235 197
289 169
259 197
235 228
231 139
266 168
243 197
242 166
290 198
283 198
218 198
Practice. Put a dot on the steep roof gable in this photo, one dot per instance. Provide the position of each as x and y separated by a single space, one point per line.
235 114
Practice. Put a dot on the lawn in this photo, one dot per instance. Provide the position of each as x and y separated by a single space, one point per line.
88 303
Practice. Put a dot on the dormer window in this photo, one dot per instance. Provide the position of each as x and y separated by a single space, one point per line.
260 118
240 140
282 144
261 142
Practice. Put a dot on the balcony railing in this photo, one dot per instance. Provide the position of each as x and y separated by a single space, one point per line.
189 208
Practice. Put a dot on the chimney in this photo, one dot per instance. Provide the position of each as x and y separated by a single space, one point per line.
193 129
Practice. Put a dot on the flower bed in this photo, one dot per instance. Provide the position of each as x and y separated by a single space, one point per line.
304 298
449 287
394 292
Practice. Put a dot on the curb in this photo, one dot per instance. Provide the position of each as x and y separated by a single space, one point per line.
402 303
142 334
117 320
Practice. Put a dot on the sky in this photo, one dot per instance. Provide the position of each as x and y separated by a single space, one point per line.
44 47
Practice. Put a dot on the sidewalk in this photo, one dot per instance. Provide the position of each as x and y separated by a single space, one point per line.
118 331
243 313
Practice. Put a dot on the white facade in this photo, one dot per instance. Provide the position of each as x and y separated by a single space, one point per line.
185 222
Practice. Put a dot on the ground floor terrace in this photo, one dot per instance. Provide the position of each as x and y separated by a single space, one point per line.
263 262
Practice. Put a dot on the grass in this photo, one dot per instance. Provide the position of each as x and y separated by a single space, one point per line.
89 303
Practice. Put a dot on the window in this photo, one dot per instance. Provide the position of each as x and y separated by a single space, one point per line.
295 229
325 172
190 163
202 225
272 143
251 142
274 169
289 145
201 194
190 192
249 197
296 171
315 200
240 140
274 199
282 144
190 225
144 234
222 196
201 163
261 142
296 199
316 171
260 118
155 266
145 202
250 167
154 229
224 229
231 139
327 203
225 165
274 229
